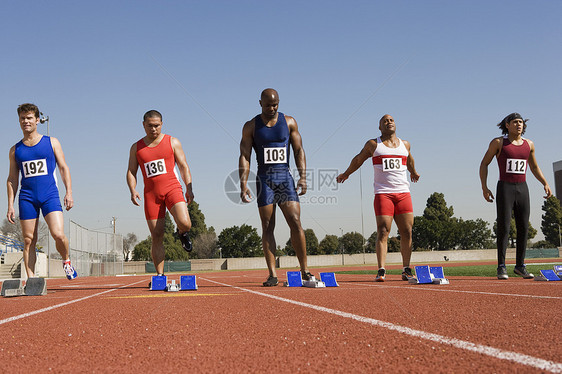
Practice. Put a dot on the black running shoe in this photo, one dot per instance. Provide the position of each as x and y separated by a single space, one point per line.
271 281
381 274
522 271
307 276
407 274
502 273
185 241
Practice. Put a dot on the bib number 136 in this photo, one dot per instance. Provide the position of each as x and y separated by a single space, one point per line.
275 155
155 167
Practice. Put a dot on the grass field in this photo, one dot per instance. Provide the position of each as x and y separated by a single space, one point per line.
470 271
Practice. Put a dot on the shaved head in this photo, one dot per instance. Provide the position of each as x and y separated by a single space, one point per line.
269 93
383 117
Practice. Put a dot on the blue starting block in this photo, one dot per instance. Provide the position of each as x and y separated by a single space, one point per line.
329 279
294 279
437 271
188 282
429 275
548 275
423 274
159 283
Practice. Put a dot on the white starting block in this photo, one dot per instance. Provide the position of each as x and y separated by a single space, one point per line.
294 279
429 275
172 287
548 276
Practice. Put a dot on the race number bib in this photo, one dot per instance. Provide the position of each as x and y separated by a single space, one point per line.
275 155
34 168
516 166
391 164
155 167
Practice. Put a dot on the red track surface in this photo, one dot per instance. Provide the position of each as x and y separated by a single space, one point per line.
232 324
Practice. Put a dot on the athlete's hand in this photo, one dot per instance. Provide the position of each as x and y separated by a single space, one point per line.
135 198
189 196
11 215
488 195
68 201
342 178
301 184
414 177
548 191
246 195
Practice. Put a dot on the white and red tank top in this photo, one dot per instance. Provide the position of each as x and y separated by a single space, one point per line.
390 165
157 165
512 161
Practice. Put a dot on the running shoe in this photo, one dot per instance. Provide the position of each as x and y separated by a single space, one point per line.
522 271
381 274
271 281
502 272
69 271
308 276
407 274
185 241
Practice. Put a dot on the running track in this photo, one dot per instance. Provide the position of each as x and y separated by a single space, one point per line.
232 324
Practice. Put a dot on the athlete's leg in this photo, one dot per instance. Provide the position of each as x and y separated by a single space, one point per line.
504 205
181 216
156 227
29 232
384 224
405 222
292 212
267 217
522 211
55 221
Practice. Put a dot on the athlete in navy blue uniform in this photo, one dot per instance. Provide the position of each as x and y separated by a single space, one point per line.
270 134
36 157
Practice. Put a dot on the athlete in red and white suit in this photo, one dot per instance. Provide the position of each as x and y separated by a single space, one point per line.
391 159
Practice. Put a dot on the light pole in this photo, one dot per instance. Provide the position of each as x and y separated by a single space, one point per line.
341 247
44 119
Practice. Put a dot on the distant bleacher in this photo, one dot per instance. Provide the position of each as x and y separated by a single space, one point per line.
10 245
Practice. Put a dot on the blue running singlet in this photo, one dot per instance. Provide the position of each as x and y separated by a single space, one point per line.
38 190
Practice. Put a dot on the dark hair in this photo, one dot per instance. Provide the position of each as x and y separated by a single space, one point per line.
28 107
152 114
508 119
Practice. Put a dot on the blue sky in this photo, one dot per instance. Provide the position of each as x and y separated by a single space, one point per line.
448 71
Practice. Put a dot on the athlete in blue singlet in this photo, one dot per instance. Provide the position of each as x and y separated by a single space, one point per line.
36 157
270 134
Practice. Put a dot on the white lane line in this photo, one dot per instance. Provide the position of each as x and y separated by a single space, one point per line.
421 287
28 314
554 367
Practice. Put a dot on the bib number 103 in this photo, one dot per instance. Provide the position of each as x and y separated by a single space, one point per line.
155 167
516 166
275 155
389 164
34 168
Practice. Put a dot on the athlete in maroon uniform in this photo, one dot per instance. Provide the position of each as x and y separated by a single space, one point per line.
513 153
157 154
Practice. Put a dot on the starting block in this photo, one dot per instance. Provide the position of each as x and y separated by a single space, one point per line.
35 287
172 287
429 275
294 279
313 283
12 287
188 282
329 279
558 270
547 275
158 283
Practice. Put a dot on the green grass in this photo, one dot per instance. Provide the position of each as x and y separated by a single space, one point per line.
465 271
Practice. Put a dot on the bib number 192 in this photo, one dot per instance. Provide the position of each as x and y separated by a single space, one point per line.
155 167
34 168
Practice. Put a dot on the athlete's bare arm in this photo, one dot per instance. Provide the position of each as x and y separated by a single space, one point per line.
183 167
12 184
358 160
132 175
244 159
300 159
493 150
64 171
536 170
414 176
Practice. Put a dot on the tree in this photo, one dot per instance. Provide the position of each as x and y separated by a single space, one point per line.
393 244
436 229
512 236
172 245
475 234
128 243
352 242
205 245
197 217
242 241
329 245
552 220
371 246
311 244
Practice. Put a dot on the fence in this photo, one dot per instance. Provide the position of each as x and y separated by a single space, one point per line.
95 253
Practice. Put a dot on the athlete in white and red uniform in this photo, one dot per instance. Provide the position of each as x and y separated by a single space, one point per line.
157 154
391 159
